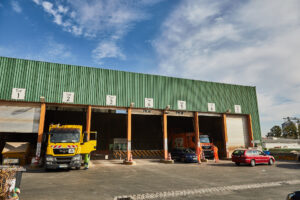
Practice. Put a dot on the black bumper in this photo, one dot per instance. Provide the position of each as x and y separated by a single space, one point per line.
62 163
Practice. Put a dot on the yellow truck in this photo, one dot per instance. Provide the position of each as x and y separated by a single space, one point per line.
66 144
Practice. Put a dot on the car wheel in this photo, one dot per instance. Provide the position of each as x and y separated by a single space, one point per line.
252 163
77 168
271 162
237 163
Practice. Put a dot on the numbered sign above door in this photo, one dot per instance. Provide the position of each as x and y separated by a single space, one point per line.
181 105
68 97
148 102
111 100
18 93
211 107
237 109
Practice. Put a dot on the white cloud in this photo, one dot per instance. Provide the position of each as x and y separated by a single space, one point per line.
250 43
48 7
37 2
56 50
50 50
107 49
98 18
16 6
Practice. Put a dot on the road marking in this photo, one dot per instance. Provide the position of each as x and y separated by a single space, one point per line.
178 193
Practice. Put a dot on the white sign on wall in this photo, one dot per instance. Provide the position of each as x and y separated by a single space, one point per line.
181 105
148 102
237 109
68 97
211 107
18 93
111 100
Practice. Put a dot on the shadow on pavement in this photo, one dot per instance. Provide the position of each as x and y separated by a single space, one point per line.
226 165
42 170
289 165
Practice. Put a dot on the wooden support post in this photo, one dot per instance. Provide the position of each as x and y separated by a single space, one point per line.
165 130
88 121
40 131
250 131
129 134
197 141
225 135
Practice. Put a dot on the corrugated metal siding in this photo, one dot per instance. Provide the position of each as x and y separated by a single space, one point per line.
91 85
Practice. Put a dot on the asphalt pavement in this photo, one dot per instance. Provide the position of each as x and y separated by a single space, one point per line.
150 179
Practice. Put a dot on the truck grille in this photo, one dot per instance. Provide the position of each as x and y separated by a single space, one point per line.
63 160
61 151
206 147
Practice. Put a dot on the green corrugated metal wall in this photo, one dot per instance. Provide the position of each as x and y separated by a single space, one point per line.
91 85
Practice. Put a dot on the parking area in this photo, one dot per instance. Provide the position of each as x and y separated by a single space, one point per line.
150 179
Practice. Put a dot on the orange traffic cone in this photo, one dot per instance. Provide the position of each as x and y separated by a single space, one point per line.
216 156
199 158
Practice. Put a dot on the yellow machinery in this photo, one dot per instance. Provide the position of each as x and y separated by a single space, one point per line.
66 144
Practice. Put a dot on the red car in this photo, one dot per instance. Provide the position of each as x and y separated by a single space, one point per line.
251 156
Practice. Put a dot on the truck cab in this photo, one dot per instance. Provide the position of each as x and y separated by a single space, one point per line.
65 146
207 146
187 140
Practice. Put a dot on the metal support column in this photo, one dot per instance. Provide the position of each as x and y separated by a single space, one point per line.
197 146
165 130
88 121
40 131
129 134
88 131
250 131
225 135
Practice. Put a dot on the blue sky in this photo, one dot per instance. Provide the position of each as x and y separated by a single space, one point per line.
241 42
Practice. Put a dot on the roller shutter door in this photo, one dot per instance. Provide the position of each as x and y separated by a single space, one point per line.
19 119
237 132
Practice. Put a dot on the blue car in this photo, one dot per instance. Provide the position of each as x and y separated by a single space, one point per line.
184 155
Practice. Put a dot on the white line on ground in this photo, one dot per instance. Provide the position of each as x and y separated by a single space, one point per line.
178 193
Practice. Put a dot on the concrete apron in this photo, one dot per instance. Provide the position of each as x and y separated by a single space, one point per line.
141 162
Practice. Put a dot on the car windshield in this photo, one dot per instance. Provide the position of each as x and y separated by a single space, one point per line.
238 152
64 135
204 140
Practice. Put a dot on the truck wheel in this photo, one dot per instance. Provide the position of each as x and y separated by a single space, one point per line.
271 162
237 164
252 163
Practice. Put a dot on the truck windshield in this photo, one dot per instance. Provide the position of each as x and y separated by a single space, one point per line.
204 140
64 135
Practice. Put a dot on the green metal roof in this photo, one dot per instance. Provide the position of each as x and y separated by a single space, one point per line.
91 85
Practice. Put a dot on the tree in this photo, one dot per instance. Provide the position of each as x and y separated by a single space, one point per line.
290 130
275 131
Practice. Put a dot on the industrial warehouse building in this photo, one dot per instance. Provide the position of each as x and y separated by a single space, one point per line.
130 111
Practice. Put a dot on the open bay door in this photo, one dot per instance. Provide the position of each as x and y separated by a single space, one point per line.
19 119
237 132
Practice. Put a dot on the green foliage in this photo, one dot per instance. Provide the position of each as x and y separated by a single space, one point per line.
275 131
291 131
